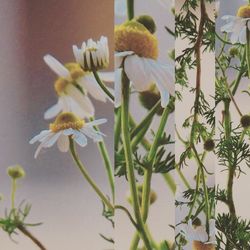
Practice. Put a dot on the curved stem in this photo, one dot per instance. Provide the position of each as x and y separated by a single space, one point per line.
129 160
87 176
107 162
103 87
31 237
128 214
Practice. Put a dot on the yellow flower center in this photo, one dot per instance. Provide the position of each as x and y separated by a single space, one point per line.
66 120
244 11
75 73
133 36
197 245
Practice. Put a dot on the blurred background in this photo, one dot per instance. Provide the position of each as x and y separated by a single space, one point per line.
60 197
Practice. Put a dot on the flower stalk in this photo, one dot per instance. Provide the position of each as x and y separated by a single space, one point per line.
129 159
86 175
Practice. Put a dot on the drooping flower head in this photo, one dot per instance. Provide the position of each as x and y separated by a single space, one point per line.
93 56
72 87
238 25
134 36
67 124
137 52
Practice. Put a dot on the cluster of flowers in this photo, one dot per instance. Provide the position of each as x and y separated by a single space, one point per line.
73 86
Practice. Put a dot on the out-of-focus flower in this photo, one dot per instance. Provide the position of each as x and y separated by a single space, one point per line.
93 55
238 25
198 235
72 86
67 124
137 52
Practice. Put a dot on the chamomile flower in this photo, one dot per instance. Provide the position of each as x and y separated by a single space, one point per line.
238 25
68 125
199 237
93 55
72 86
137 52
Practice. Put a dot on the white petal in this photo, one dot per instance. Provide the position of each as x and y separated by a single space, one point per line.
80 138
89 83
96 122
119 56
52 140
82 100
56 66
92 133
118 88
78 55
161 76
53 111
107 76
75 108
63 143
138 72
40 136
243 36
68 131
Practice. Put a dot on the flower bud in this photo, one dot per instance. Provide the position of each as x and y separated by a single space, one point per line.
209 145
149 98
148 22
245 121
16 172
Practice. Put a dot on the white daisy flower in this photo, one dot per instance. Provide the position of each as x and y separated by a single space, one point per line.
137 51
93 56
198 235
67 124
72 86
238 25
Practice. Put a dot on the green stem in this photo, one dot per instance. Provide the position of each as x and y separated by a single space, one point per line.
129 160
107 162
147 119
117 127
201 169
103 87
87 176
13 193
148 172
130 9
182 176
